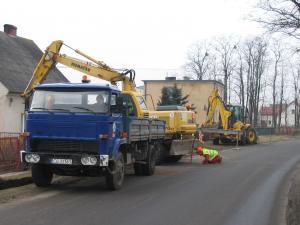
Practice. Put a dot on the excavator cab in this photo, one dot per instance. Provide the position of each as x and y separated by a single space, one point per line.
237 114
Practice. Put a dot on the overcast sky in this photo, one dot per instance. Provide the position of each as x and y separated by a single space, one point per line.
151 37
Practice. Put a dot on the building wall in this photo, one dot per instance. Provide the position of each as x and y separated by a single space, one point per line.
198 92
11 111
266 121
290 116
287 118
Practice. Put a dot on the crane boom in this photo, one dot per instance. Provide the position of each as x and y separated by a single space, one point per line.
94 68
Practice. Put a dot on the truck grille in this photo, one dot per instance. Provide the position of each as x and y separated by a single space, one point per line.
48 145
146 115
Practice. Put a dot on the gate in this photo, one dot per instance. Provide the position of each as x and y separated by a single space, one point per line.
10 146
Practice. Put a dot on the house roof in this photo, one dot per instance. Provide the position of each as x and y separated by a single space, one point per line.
268 110
18 59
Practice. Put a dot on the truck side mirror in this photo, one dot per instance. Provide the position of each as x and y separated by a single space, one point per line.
118 106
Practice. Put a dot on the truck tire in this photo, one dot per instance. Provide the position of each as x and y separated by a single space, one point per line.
242 140
251 136
138 170
225 140
149 167
161 153
174 158
114 180
216 141
41 175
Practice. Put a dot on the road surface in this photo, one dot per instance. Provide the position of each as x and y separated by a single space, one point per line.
247 188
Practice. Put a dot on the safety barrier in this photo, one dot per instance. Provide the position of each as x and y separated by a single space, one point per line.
10 146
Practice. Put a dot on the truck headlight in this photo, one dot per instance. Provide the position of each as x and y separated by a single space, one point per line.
32 158
88 160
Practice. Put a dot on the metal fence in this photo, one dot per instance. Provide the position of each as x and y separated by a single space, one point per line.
10 146
273 131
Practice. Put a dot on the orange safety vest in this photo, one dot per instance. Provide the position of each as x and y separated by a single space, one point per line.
211 153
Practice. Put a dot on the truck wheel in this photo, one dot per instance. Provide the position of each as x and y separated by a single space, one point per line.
251 136
115 180
138 170
243 140
160 153
149 167
225 140
174 158
41 175
216 141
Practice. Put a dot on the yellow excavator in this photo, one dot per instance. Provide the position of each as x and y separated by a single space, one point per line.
180 125
229 126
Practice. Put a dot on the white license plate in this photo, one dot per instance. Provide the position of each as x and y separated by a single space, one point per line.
62 161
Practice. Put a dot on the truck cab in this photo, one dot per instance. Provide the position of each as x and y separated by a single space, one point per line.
68 115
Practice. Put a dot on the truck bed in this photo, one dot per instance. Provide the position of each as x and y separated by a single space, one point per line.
145 129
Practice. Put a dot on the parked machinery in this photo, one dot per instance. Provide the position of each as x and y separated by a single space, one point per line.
180 124
67 133
231 126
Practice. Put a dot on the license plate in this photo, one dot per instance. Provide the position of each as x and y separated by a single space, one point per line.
62 161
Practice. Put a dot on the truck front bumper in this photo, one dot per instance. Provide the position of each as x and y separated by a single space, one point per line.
74 159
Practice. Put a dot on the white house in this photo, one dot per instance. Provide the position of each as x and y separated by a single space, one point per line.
18 58
288 116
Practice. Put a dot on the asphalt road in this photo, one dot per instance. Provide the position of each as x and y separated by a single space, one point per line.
247 188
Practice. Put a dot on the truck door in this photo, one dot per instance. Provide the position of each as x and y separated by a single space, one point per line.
130 107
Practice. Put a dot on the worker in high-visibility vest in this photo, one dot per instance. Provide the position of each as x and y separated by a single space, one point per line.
210 155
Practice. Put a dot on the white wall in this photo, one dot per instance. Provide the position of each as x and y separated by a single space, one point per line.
290 120
267 119
11 111
290 116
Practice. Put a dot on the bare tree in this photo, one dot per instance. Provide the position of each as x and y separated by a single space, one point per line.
277 52
281 98
198 60
286 113
213 68
225 49
296 81
240 71
280 16
256 58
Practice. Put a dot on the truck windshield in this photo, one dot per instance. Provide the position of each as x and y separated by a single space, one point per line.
71 101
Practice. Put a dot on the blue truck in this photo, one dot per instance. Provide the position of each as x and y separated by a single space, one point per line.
68 132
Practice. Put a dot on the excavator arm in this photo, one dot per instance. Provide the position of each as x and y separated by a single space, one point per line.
215 102
94 68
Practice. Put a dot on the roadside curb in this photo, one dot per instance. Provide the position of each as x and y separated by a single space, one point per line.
292 204
16 179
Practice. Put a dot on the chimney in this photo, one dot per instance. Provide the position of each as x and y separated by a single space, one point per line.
186 78
10 29
171 78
